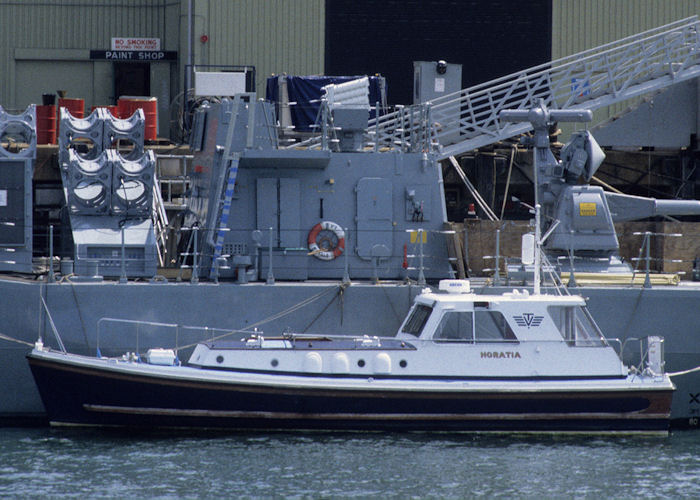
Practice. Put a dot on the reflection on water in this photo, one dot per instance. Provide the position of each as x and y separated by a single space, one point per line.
87 463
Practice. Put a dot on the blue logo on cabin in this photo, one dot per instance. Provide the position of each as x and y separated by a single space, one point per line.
528 320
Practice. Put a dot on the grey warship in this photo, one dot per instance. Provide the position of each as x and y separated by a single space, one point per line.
331 234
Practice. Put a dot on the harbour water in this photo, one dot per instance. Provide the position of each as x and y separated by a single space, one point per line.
58 463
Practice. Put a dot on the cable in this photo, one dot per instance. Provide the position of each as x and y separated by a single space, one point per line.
18 341
684 372
278 315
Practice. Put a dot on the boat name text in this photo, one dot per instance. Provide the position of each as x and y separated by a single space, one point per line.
500 354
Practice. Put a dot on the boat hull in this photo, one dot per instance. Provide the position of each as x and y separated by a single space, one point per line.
78 391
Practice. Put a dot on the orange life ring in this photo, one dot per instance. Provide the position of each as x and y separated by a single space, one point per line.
326 249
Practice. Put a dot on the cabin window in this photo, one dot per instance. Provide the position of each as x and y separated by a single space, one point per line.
479 326
416 321
492 326
456 325
576 326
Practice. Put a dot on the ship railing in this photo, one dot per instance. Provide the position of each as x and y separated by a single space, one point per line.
412 130
173 179
102 259
591 79
649 357
116 336
119 258
645 250
553 276
521 274
413 262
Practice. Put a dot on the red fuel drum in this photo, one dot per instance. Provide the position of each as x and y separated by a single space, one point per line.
127 106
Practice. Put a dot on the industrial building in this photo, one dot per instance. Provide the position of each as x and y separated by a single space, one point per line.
77 46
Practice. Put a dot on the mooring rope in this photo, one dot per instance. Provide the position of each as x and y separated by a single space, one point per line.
684 372
278 315
18 341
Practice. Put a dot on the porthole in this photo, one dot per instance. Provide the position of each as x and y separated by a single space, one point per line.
361 363
219 359
274 362
403 363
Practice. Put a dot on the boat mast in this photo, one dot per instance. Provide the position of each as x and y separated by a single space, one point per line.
541 117
538 249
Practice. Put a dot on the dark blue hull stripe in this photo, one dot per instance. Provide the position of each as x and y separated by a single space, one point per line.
408 378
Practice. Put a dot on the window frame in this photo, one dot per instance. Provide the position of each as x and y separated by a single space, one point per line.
417 332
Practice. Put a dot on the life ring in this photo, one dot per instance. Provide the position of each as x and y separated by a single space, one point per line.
326 248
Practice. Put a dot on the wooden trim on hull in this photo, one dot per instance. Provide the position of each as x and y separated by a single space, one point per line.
268 415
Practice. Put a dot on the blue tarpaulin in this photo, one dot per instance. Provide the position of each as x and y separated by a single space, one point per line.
306 92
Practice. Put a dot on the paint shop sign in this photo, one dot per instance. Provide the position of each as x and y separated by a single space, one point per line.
134 49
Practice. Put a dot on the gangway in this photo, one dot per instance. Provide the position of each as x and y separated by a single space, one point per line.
456 123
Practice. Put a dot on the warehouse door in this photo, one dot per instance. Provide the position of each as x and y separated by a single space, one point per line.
132 79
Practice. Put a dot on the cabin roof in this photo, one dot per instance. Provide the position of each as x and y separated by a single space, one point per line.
509 297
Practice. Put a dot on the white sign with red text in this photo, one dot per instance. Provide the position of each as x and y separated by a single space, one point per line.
135 43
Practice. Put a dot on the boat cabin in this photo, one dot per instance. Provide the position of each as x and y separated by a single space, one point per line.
459 315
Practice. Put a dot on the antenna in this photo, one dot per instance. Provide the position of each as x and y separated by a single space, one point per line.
538 249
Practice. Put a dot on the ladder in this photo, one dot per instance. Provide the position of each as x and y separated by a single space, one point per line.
217 230
160 223
598 77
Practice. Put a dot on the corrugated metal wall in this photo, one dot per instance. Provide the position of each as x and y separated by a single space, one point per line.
275 36
79 25
581 24
578 25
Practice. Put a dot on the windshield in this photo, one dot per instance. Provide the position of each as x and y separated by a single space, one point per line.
416 321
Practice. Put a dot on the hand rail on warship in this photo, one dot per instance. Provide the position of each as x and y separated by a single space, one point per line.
601 76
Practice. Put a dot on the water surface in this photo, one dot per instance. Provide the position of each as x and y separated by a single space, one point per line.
93 464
